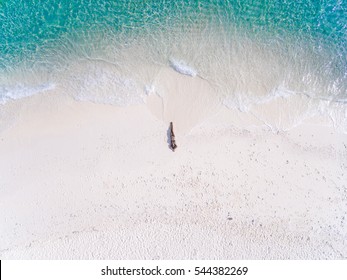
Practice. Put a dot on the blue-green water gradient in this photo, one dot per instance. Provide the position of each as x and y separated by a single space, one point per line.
251 52
27 25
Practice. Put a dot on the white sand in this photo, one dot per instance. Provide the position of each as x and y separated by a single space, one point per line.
87 181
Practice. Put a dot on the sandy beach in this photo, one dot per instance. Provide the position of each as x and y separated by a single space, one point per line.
256 92
80 180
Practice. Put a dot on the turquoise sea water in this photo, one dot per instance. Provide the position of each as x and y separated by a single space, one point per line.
250 51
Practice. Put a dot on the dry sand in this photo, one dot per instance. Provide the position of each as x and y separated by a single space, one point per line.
87 181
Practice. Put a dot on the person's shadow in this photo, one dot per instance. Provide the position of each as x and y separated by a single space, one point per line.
169 138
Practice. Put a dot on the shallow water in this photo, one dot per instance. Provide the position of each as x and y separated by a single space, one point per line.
251 52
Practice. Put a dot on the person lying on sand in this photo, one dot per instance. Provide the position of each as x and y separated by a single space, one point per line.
173 145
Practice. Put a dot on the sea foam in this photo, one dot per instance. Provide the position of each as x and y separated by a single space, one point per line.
181 67
101 83
19 91
244 103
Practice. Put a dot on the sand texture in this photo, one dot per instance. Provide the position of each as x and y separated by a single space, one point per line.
87 181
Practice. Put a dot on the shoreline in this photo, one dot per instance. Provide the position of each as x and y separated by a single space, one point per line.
90 181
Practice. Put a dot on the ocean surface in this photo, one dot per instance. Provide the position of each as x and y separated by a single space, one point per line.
256 54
